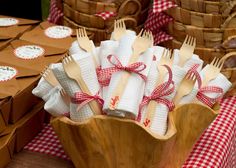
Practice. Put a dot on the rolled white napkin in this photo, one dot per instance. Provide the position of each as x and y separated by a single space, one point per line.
55 104
159 120
180 72
70 86
76 49
130 100
220 81
107 47
42 90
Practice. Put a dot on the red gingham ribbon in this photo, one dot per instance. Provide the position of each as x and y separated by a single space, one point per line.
84 98
193 70
207 89
55 12
206 99
106 15
104 75
162 5
158 94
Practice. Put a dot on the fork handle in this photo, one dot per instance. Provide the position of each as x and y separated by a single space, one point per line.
177 98
95 107
150 112
119 90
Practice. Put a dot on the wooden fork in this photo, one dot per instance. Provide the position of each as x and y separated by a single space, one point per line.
185 87
119 29
49 76
166 59
142 42
186 50
85 43
212 71
73 71
65 97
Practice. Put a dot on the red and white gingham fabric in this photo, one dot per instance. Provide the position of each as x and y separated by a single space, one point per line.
216 148
156 20
46 142
106 15
55 11
161 36
162 5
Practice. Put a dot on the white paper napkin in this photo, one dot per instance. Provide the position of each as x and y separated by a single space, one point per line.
55 104
133 93
71 87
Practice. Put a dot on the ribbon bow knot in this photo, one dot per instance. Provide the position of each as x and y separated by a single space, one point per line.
84 98
137 67
159 93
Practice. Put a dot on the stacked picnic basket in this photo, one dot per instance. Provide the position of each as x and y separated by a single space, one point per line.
212 23
82 13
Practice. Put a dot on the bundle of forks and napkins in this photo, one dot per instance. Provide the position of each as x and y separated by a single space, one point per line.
128 77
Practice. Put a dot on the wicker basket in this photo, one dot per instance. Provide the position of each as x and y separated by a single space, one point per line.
93 7
206 37
88 20
134 12
204 6
112 142
102 34
207 20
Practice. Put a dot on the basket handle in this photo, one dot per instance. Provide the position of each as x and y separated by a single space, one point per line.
228 55
227 21
228 7
226 41
123 5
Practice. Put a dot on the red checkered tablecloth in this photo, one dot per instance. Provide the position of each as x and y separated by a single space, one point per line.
216 148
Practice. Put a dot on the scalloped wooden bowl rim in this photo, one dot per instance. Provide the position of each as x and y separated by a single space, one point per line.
171 131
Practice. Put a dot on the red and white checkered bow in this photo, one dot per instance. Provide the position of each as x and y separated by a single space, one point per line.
55 12
162 5
84 98
106 15
104 75
206 99
201 96
159 93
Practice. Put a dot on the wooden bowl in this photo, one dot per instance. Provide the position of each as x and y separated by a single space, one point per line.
113 142
208 6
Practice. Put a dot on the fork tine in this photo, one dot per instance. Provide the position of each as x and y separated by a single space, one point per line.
212 62
140 33
85 33
115 26
123 22
186 39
